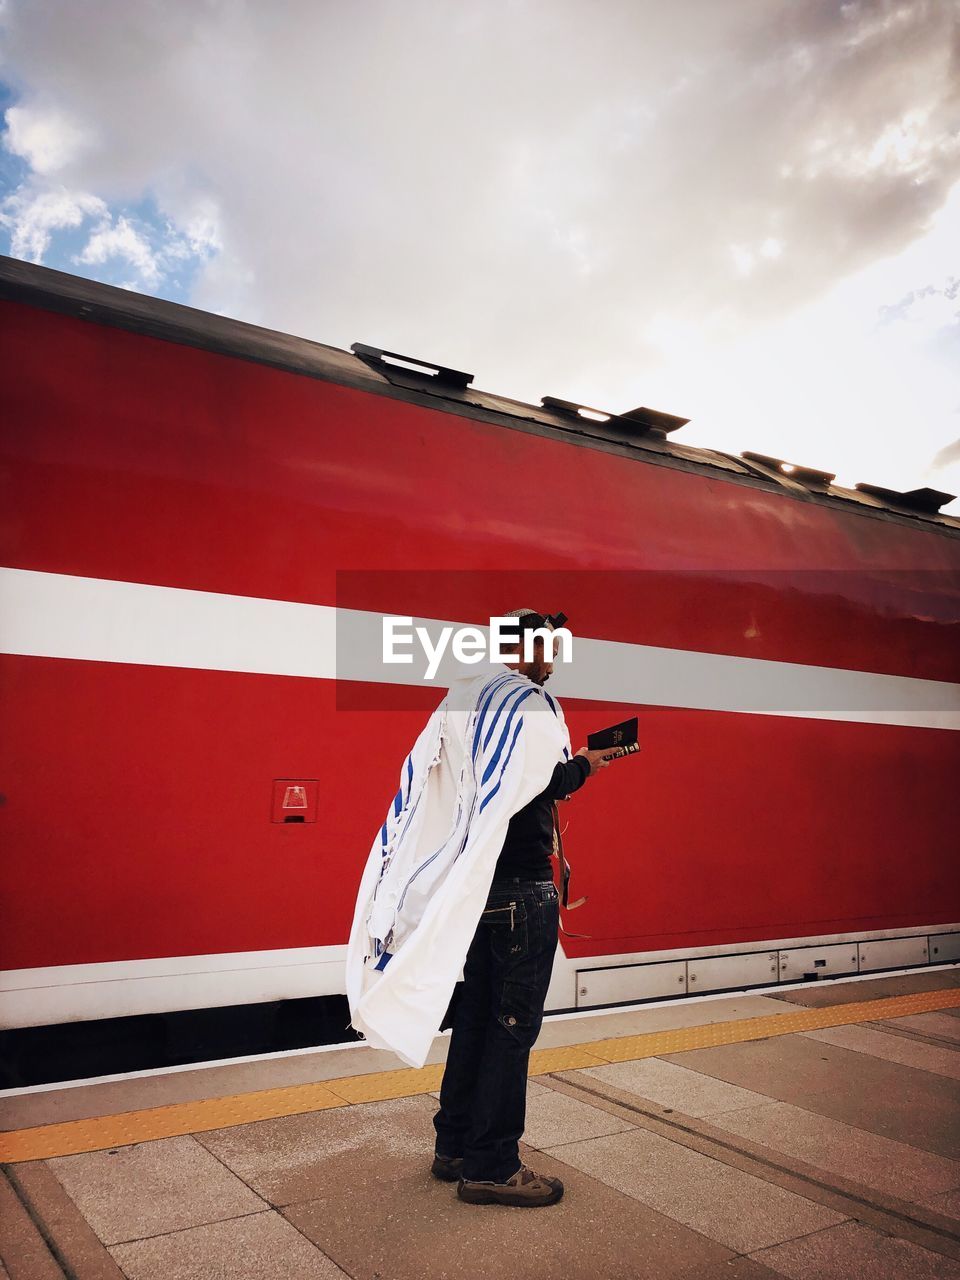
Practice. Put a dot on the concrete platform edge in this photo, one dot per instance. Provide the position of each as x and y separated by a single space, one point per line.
68 1236
925 1227
23 1249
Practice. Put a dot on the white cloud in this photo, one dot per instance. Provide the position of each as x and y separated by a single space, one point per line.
201 227
848 383
743 259
46 138
949 456
904 147
32 215
124 242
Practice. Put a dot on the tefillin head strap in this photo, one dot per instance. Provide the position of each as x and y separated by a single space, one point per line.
565 866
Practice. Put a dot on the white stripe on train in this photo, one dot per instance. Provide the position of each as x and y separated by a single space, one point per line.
101 620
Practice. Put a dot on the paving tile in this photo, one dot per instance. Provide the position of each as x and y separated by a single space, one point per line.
300 1157
152 1188
672 1086
931 1024
892 1048
947 1202
411 1226
734 1269
732 1207
886 1098
554 1117
903 984
838 1148
857 1252
263 1246
783 1067
924 1112
536 1090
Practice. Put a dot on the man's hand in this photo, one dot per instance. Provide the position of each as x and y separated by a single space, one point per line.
596 759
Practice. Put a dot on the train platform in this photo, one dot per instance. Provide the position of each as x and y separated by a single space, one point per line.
810 1132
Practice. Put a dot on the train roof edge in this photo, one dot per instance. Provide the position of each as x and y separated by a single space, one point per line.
641 432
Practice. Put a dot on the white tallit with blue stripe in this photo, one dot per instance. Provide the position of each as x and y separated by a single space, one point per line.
490 747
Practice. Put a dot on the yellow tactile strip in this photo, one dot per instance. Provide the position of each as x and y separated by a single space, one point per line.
653 1044
101 1132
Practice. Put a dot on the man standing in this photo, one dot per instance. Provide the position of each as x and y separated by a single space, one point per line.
464 854
506 977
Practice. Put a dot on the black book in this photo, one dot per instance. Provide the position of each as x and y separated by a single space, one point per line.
620 738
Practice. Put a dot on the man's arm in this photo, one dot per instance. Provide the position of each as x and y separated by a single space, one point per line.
570 775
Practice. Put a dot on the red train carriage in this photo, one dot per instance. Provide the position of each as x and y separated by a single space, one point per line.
189 500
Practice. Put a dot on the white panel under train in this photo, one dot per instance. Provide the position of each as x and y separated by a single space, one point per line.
728 973
803 963
944 947
627 983
893 953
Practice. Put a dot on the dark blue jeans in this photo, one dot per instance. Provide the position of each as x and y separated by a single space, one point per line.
483 1096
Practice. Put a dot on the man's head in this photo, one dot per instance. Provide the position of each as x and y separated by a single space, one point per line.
540 668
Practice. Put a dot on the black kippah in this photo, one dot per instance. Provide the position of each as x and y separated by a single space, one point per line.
525 620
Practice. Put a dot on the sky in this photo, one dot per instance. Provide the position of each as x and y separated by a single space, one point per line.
744 212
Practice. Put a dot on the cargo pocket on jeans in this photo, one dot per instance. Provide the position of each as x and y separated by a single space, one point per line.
521 1012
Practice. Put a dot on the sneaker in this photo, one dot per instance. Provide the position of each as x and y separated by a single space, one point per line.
524 1188
447 1168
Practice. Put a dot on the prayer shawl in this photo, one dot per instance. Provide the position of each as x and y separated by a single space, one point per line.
490 747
